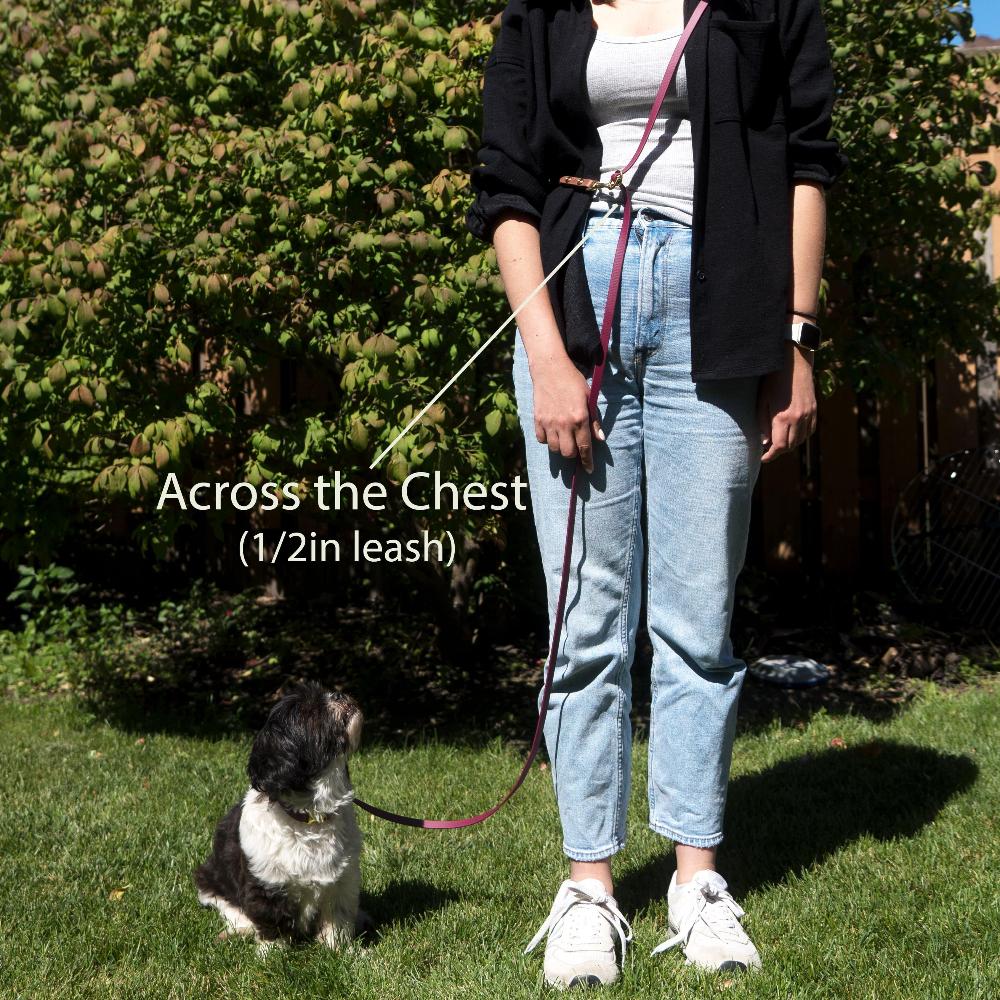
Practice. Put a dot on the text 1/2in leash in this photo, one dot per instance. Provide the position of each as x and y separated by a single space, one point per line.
595 389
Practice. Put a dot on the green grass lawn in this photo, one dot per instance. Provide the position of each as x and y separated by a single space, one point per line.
868 866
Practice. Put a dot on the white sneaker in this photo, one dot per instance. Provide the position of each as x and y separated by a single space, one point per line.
706 920
581 926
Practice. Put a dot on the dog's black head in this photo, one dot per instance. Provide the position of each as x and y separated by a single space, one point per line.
303 736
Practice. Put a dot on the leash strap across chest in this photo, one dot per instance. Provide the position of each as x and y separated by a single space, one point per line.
594 394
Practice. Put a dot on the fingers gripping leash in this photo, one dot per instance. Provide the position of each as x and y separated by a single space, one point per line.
616 180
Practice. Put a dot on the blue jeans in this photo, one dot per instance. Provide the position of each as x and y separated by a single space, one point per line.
694 450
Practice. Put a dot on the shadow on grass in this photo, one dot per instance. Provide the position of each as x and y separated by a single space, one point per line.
215 666
219 675
405 701
801 811
407 691
400 707
401 902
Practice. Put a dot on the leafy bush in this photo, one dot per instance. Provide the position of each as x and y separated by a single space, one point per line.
58 636
187 642
907 226
198 192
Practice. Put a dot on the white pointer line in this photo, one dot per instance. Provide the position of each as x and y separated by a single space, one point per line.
496 333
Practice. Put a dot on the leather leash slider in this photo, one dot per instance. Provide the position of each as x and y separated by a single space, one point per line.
590 184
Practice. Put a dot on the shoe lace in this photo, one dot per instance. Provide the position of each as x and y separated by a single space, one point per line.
713 905
570 895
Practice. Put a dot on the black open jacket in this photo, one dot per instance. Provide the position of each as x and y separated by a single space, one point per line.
760 88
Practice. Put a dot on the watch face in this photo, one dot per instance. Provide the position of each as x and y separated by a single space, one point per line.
810 336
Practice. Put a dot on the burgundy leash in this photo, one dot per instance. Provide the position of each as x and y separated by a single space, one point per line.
595 389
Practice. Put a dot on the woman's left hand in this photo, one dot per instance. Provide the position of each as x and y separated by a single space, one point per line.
786 404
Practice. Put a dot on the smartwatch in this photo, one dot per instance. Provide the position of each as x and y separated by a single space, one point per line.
807 335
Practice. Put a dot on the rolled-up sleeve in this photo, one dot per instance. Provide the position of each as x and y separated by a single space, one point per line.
507 176
813 153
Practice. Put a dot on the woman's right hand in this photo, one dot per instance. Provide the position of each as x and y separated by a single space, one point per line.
560 392
562 418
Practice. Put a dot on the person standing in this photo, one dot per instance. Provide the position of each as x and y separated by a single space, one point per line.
709 374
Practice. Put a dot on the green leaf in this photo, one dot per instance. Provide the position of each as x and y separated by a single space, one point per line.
454 139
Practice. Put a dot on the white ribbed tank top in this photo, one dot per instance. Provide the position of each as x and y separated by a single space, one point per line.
623 75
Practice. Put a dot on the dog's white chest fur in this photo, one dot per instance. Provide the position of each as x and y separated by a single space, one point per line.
313 864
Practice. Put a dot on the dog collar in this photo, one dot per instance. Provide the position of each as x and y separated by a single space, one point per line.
302 816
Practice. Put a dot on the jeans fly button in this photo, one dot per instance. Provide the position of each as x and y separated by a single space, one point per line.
700 275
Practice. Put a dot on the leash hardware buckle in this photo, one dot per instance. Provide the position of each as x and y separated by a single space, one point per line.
589 183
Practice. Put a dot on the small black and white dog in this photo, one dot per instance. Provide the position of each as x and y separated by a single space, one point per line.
286 861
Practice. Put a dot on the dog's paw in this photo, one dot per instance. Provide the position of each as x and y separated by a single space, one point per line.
342 931
233 932
264 947
334 936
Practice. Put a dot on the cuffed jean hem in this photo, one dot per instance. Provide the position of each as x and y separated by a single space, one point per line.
680 838
593 854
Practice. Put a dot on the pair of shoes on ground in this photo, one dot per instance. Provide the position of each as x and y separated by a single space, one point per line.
588 934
